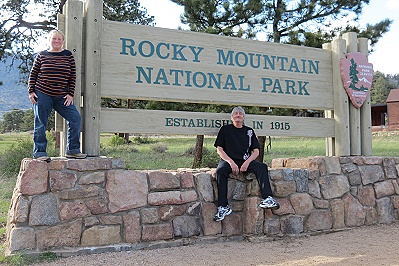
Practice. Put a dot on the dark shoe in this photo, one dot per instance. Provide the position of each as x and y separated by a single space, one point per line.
43 158
269 203
222 212
76 155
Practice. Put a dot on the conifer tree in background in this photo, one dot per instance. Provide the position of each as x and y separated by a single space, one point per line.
302 22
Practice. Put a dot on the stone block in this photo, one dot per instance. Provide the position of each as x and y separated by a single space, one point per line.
302 203
187 180
384 210
63 235
204 187
283 189
292 225
314 189
366 195
19 208
81 192
72 210
90 221
111 219
99 235
288 174
171 197
149 215
131 227
34 180
92 178
44 210
60 180
395 201
89 164
318 220
371 216
321 204
355 178
276 174
186 226
384 188
333 186
22 239
297 163
210 227
390 168
285 207
333 166
337 214
371 174
131 184
239 191
348 168
97 206
194 208
253 216
371 160
167 212
272 226
232 225
157 232
301 180
161 181
355 213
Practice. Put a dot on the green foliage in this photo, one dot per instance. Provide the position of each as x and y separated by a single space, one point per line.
159 147
22 259
10 159
116 141
382 85
143 140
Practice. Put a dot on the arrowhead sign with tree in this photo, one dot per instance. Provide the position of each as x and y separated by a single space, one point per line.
357 76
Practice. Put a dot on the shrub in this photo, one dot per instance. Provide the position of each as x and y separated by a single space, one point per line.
159 147
143 140
10 159
209 158
116 141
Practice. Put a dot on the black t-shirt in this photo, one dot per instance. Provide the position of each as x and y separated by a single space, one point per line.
237 142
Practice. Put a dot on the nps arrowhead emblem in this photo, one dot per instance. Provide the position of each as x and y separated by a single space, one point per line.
357 76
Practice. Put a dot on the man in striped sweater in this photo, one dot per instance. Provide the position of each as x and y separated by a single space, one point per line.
52 85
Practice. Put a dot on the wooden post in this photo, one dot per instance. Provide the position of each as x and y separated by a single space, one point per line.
74 43
60 124
330 142
92 92
354 113
365 110
341 101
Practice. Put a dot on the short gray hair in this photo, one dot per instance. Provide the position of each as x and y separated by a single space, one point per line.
238 109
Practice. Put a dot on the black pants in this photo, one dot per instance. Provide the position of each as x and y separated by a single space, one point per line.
258 168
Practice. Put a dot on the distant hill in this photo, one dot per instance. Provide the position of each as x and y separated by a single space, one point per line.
13 94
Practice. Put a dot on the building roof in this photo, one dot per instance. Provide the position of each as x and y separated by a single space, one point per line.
393 96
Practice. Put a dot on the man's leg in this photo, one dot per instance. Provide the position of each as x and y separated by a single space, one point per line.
222 175
262 175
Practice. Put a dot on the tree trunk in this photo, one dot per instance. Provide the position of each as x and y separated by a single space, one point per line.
125 136
262 140
199 142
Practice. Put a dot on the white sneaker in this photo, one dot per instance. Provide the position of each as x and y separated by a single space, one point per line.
222 212
269 203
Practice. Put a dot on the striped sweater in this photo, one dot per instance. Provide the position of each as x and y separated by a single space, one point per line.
53 73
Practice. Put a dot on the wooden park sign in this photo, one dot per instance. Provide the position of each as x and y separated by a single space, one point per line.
127 61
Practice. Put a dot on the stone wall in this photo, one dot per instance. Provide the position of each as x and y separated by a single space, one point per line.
96 205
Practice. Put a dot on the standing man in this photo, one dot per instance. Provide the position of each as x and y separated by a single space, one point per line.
52 86
238 147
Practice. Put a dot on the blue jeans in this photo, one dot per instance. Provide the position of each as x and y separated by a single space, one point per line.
42 109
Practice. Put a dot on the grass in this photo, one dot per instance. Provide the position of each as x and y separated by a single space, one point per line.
163 152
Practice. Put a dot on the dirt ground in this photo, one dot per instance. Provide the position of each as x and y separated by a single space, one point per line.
367 245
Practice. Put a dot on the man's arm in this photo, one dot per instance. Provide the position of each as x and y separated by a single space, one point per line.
226 158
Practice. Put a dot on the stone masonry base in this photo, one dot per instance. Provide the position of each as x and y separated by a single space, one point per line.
96 205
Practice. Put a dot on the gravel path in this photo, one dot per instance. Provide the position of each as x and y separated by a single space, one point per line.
368 245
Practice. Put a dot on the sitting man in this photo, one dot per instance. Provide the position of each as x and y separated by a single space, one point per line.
238 147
